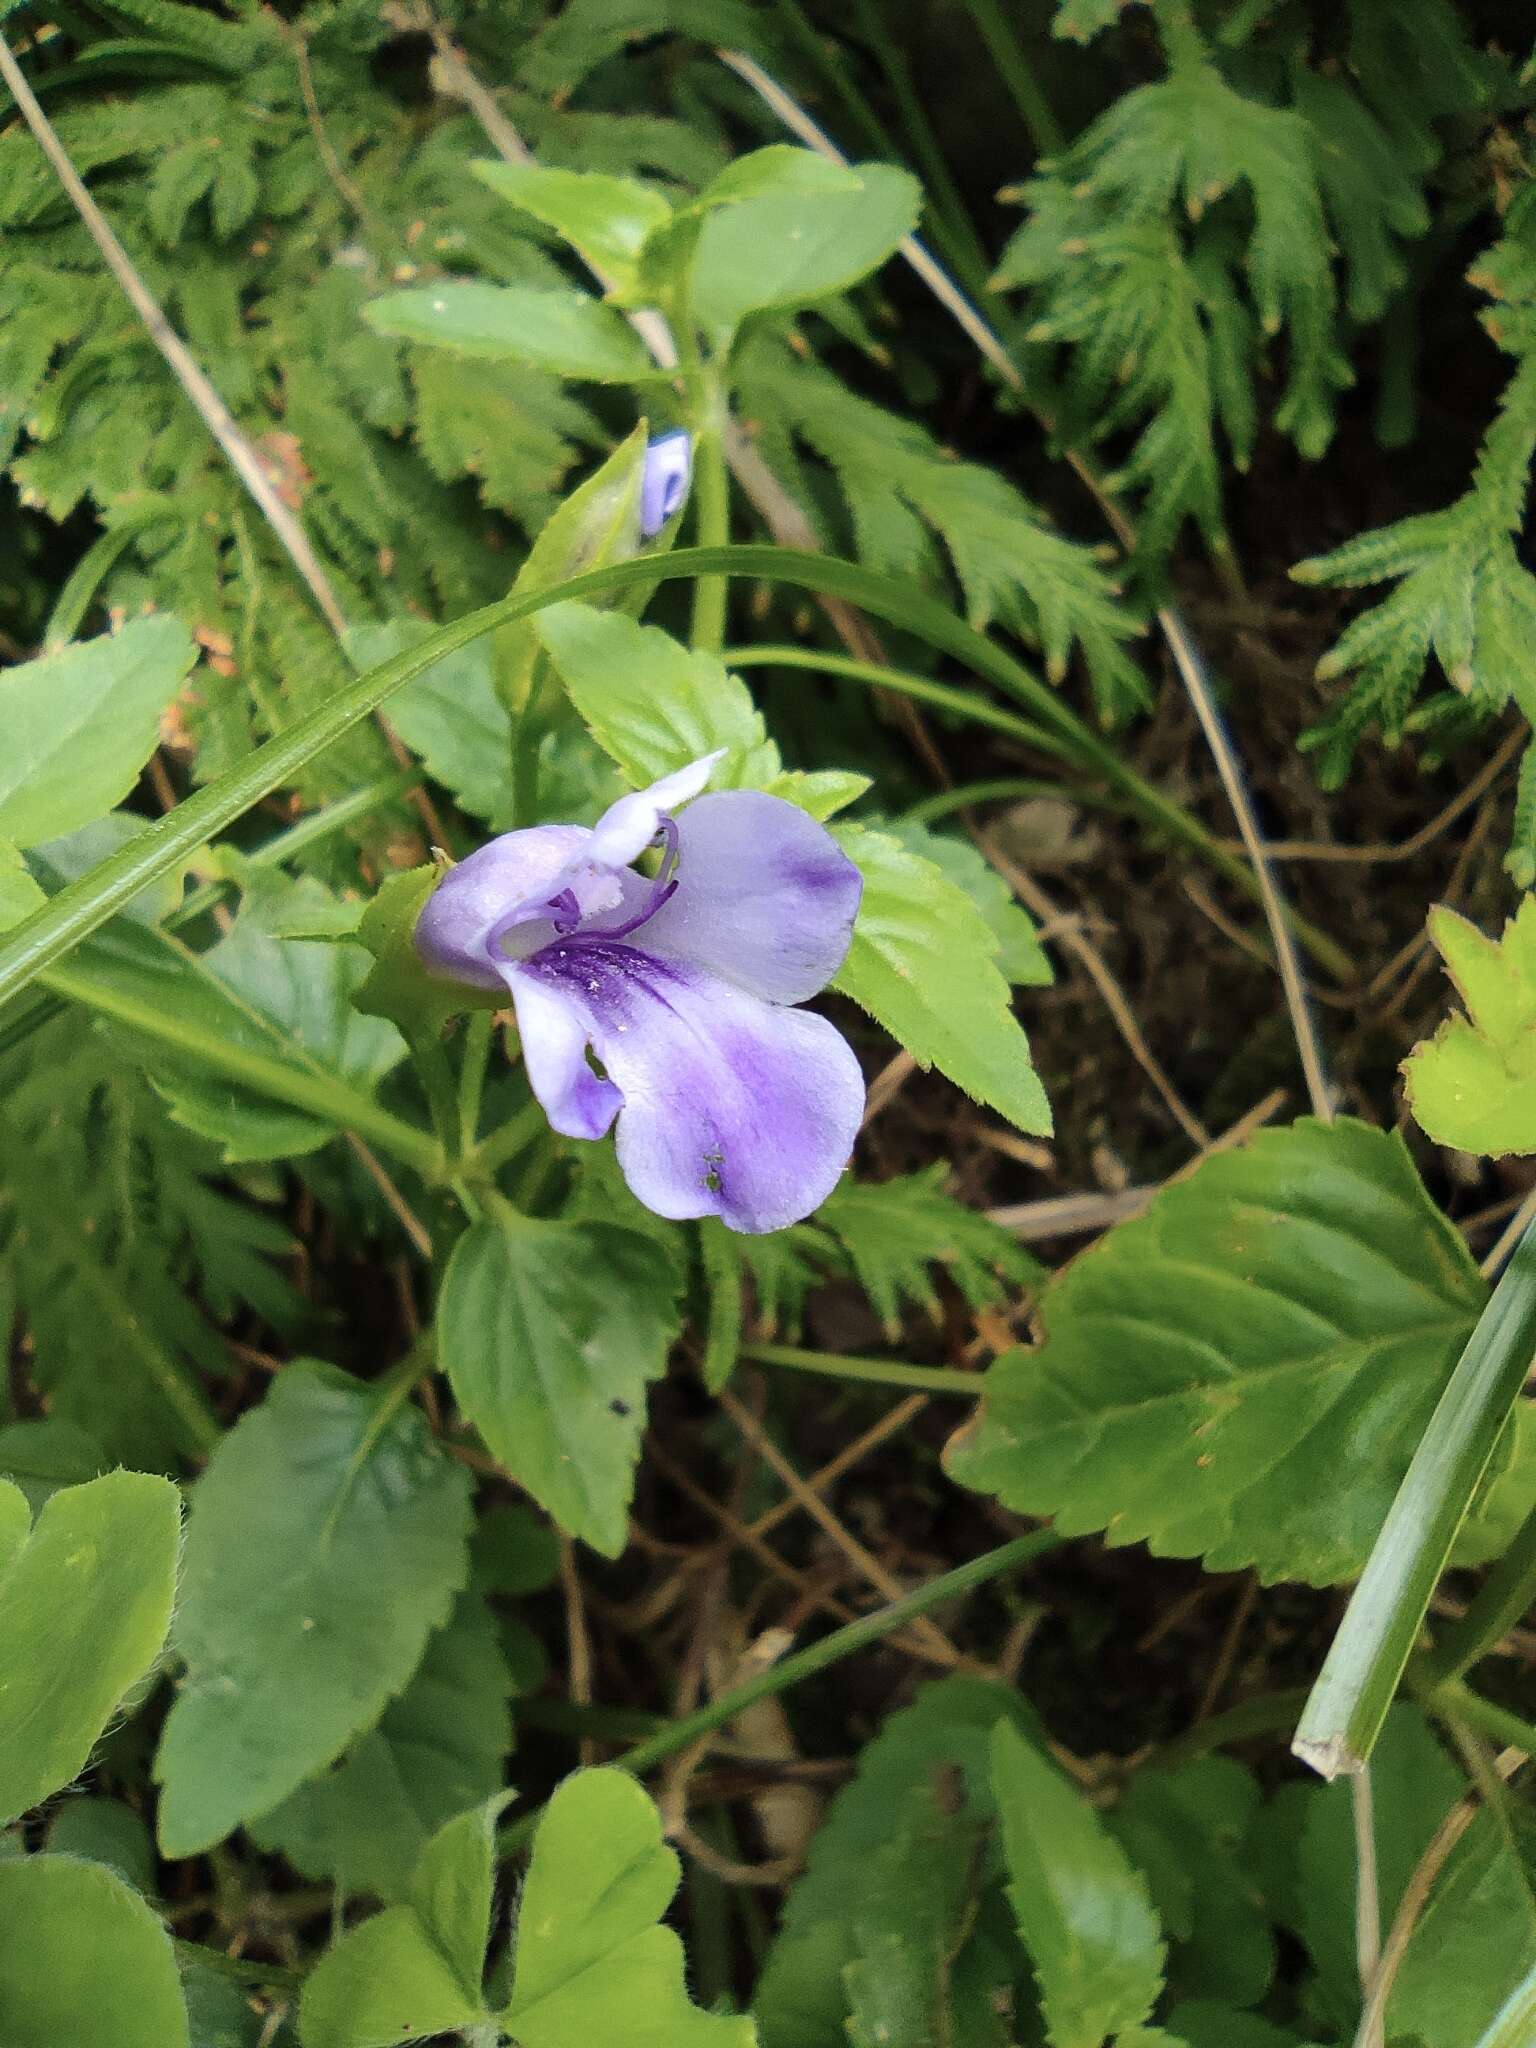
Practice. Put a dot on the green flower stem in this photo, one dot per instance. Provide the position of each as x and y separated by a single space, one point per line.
1348 1704
1504 1596
1456 1702
712 504
472 1066
1002 40
943 696
84 905
485 1160
879 1372
1008 789
326 1097
818 1657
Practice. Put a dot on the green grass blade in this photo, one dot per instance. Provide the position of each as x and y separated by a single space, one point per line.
1348 1704
79 909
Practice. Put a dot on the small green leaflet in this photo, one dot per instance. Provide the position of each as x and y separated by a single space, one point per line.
606 220
654 706
1083 1912
84 1963
414 1969
550 1333
567 333
922 964
789 249
79 724
326 1541
1473 1085
590 1962
85 1602
1203 1362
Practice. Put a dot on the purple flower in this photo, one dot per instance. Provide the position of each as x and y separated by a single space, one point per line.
663 480
728 1101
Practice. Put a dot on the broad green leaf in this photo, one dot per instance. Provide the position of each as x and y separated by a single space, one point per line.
569 334
1514 2026
1021 959
781 171
1473 1085
789 249
1476 1935
43 1455
84 1963
922 964
550 1333
653 704
80 724
939 1744
590 1962
439 1748
1205 2023
450 715
1083 1913
607 220
287 995
326 1541
1187 1830
105 1831
19 893
414 1969
1204 1363
57 861
85 1602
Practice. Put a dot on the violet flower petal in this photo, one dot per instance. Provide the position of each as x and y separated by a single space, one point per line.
732 1106
627 827
516 872
765 896
578 1103
663 480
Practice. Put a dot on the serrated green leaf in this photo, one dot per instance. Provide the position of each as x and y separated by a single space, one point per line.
414 1969
567 333
790 249
1473 1085
1021 959
439 1748
83 1959
1203 1362
550 1333
590 1962
85 1602
938 1745
326 1541
1083 1912
922 964
81 723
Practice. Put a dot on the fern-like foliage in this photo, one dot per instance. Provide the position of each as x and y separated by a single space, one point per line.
1463 596
117 1245
903 491
1228 213
891 1238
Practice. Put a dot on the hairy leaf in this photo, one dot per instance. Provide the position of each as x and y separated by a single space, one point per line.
83 1959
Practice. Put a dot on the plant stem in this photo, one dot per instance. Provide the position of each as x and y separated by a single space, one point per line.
1504 1596
485 1160
712 507
879 1372
842 1642
324 1096
1456 1701
1006 789
1002 40
472 1066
